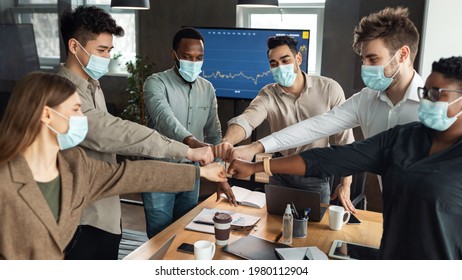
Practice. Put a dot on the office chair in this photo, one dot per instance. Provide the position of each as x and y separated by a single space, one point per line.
357 195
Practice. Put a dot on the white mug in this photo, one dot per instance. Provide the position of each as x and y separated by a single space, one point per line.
337 217
204 250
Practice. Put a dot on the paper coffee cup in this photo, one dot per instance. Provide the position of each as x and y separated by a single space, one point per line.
222 223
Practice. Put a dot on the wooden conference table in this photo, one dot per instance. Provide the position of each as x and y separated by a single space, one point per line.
369 232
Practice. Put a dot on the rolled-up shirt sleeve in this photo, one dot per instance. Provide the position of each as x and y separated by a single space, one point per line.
253 115
337 120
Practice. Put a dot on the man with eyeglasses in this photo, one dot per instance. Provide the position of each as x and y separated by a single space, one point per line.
387 42
420 164
433 107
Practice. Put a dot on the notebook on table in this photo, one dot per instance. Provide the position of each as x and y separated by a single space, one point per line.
277 198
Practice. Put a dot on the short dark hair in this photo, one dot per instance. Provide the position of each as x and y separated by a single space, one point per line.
450 67
276 41
393 26
186 33
85 23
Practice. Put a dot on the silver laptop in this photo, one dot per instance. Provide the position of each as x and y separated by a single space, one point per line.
160 253
278 197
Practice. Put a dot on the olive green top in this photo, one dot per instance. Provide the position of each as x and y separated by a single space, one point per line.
52 193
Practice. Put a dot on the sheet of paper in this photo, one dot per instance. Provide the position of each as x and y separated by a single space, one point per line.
206 216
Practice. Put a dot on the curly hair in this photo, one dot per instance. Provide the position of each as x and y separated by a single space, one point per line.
277 41
85 23
390 24
450 67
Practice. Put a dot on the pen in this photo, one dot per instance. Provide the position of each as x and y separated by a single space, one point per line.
294 210
307 211
203 223
278 237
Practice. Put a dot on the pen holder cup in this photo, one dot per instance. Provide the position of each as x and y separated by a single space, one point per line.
300 228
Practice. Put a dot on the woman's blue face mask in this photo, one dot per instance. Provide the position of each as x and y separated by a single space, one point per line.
78 128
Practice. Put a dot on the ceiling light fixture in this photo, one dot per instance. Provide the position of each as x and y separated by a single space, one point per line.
130 4
258 3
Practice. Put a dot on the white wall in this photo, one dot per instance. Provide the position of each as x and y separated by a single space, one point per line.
442 34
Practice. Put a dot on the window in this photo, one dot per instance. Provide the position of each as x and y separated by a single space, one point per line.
43 14
291 14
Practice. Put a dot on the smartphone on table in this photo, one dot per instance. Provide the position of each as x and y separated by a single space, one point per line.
353 220
186 248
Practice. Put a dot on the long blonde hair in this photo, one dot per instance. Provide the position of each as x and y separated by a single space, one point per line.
21 123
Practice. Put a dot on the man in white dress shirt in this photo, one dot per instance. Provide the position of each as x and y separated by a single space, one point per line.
387 42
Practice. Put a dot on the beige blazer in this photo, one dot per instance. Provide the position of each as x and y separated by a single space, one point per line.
109 135
28 229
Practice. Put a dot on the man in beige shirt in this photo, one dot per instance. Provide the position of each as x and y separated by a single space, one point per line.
293 98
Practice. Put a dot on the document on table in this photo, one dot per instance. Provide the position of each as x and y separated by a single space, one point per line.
203 222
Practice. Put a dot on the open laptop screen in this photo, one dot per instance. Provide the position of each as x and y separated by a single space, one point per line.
277 197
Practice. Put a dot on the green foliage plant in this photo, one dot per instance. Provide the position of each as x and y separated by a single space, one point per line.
139 70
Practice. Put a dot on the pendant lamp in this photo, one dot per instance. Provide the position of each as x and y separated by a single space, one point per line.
130 4
257 3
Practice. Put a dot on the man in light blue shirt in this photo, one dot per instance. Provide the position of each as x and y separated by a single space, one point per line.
182 106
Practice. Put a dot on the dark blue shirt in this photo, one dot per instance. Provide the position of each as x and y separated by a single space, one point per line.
422 193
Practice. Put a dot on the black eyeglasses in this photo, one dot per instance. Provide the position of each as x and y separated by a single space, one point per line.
433 94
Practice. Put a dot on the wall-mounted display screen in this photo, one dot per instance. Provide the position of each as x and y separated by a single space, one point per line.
235 59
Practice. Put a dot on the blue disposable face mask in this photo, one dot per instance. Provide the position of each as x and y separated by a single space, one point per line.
78 128
435 114
97 66
374 76
284 75
189 70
